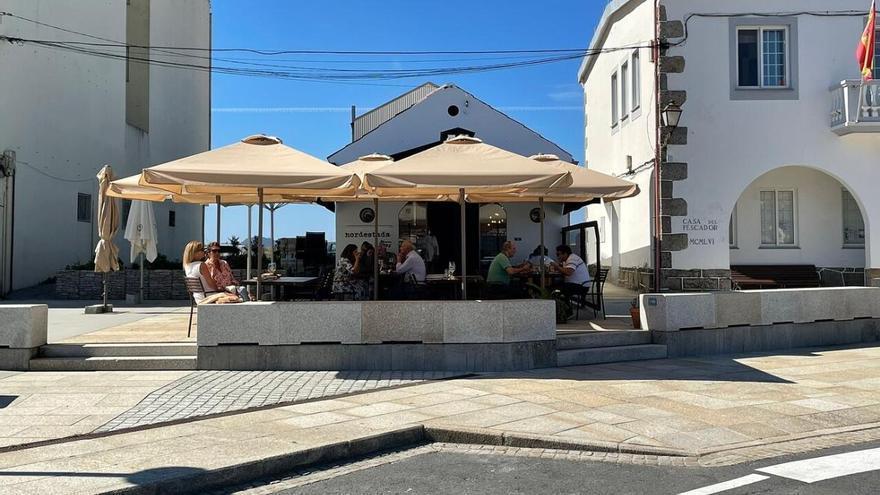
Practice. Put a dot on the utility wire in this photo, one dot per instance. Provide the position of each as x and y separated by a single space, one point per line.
47 174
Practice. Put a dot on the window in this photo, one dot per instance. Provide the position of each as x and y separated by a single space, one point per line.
636 81
624 75
614 99
84 208
853 223
731 229
172 218
763 58
493 229
778 218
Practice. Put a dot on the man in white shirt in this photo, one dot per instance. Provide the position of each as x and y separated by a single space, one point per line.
577 276
409 261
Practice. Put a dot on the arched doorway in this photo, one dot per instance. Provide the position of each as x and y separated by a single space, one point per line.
799 216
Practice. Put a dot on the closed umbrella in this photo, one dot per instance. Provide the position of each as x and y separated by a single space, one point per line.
106 253
140 231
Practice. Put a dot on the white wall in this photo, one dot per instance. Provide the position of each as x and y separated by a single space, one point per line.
607 148
69 120
731 143
520 228
423 123
819 222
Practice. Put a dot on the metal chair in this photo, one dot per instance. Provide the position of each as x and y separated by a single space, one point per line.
592 296
193 285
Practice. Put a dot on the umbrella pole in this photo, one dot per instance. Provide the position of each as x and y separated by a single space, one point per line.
272 233
105 292
541 205
249 241
260 246
141 291
463 245
218 219
376 249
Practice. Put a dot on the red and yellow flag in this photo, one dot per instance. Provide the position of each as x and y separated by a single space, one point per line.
865 50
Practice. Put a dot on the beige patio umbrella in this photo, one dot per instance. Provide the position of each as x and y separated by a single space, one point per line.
586 185
361 167
460 165
106 253
257 164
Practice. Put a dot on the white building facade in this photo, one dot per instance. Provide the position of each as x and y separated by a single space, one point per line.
775 156
421 118
68 113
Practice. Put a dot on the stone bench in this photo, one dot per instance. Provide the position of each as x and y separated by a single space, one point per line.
758 320
23 329
415 335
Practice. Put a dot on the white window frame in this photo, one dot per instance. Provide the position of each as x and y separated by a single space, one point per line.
761 29
844 191
624 90
615 100
796 237
636 74
732 230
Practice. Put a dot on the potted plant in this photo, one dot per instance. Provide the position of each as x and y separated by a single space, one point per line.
635 313
563 307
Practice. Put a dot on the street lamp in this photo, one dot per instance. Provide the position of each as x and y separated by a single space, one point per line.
671 115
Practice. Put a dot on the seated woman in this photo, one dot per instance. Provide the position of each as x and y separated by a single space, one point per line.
222 274
345 280
194 266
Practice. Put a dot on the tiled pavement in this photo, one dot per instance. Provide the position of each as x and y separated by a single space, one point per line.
746 406
210 392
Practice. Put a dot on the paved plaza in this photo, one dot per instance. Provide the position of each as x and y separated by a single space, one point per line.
713 411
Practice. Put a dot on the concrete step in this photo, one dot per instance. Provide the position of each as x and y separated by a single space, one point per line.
113 363
608 338
119 350
596 355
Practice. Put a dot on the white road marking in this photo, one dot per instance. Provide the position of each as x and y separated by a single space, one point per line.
727 485
824 468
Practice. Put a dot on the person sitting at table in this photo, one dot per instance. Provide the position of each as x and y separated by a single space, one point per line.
535 257
577 276
409 261
194 267
501 270
222 273
346 283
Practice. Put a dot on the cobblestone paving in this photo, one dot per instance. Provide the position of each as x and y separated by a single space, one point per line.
210 392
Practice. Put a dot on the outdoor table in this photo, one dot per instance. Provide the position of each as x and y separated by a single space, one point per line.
283 282
440 282
534 277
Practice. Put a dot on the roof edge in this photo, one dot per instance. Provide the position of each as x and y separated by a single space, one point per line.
599 35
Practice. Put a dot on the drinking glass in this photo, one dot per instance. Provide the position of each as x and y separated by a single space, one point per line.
272 267
451 268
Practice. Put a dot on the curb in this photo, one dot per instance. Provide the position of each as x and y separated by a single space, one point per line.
482 436
280 464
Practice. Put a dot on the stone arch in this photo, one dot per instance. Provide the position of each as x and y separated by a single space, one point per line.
814 196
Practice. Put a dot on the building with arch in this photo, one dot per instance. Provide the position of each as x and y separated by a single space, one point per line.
776 156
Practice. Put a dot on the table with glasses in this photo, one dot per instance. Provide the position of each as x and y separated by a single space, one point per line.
449 287
284 284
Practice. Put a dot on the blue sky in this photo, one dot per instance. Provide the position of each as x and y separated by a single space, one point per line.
314 117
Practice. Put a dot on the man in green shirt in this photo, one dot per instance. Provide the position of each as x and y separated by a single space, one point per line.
501 268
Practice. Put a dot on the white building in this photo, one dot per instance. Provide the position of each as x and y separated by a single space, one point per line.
67 113
773 162
419 119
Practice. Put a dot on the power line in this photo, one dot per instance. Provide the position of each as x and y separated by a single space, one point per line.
47 174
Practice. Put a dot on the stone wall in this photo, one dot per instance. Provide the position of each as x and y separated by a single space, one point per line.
635 278
158 284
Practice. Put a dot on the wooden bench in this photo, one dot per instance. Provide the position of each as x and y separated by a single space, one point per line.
774 276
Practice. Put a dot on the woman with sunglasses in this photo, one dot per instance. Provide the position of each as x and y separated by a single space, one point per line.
221 273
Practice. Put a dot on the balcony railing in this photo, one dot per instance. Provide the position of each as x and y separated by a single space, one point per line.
855 107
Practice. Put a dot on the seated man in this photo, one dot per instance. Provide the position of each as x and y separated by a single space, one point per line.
409 261
577 276
535 258
501 269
